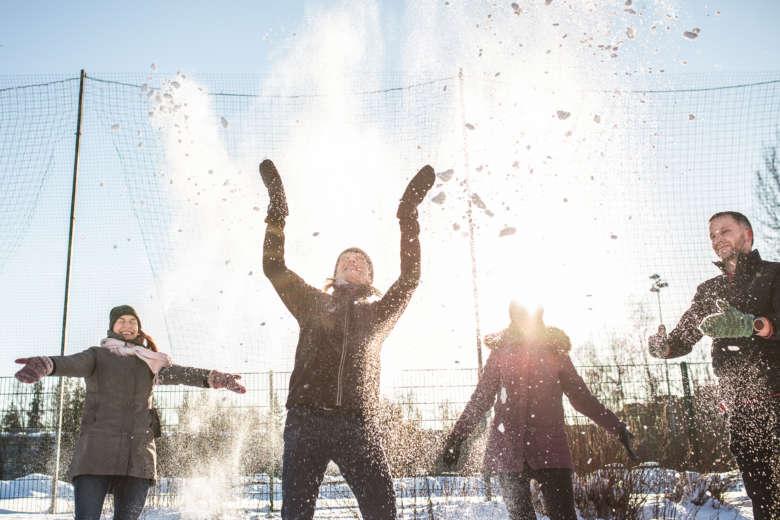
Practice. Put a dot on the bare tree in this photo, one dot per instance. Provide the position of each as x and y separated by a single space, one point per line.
767 186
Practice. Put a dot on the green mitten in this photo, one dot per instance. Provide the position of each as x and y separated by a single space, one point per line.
728 323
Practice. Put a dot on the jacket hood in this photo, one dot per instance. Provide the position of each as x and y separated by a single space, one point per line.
552 338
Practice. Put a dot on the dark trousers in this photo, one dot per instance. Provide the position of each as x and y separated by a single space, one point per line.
91 490
755 443
311 440
555 485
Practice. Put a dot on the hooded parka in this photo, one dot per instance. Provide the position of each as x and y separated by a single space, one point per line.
526 377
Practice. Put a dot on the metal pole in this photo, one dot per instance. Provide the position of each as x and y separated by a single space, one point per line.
64 338
658 284
470 219
473 253
666 361
272 431
690 416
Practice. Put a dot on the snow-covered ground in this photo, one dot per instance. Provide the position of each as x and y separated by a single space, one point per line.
421 498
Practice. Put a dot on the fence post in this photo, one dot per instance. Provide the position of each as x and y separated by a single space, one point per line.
693 437
473 252
64 338
272 445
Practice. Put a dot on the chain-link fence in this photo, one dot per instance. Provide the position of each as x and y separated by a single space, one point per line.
604 184
234 444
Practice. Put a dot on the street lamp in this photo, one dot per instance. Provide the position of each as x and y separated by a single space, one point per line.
658 284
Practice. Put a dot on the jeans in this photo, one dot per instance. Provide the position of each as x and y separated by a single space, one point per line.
313 438
555 485
91 490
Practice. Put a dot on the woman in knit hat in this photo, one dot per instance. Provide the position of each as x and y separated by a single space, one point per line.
115 451
334 386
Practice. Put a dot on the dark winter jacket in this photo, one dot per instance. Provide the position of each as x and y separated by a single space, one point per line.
116 436
341 334
526 378
754 289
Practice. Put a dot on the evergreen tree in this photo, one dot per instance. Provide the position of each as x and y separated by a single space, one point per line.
34 421
73 405
12 420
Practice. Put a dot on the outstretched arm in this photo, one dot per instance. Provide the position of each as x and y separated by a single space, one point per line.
200 377
685 335
481 400
399 294
81 364
586 403
294 292
583 400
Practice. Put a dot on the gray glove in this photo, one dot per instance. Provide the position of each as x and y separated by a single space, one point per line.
727 323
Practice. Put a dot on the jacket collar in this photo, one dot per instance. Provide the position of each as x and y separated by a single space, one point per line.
746 263
353 292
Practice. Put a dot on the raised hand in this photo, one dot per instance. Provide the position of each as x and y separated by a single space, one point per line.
656 344
34 369
451 454
626 439
727 323
227 381
277 205
415 192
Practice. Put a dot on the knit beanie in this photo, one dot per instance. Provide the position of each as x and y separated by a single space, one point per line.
117 312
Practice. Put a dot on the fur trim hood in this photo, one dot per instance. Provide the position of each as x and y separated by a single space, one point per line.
550 337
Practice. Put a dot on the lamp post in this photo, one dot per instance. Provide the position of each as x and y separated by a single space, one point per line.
658 284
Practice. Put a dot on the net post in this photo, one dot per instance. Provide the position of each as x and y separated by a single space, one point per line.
64 338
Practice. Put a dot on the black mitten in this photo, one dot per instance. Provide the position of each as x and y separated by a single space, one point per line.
415 192
626 439
451 454
277 205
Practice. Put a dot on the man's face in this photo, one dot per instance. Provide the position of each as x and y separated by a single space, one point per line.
729 237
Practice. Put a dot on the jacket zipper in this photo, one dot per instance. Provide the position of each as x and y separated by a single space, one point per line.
339 389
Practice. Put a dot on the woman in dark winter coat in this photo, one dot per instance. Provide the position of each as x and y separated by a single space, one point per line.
529 370
115 451
334 387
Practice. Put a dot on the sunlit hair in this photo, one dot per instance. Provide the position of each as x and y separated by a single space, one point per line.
144 337
739 217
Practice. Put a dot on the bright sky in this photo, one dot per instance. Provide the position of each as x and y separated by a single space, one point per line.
255 37
243 35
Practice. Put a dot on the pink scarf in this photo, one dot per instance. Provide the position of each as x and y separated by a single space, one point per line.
154 360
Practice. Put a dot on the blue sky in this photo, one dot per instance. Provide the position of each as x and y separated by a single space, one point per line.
266 37
241 36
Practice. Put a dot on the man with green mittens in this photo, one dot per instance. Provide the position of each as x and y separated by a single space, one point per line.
740 310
